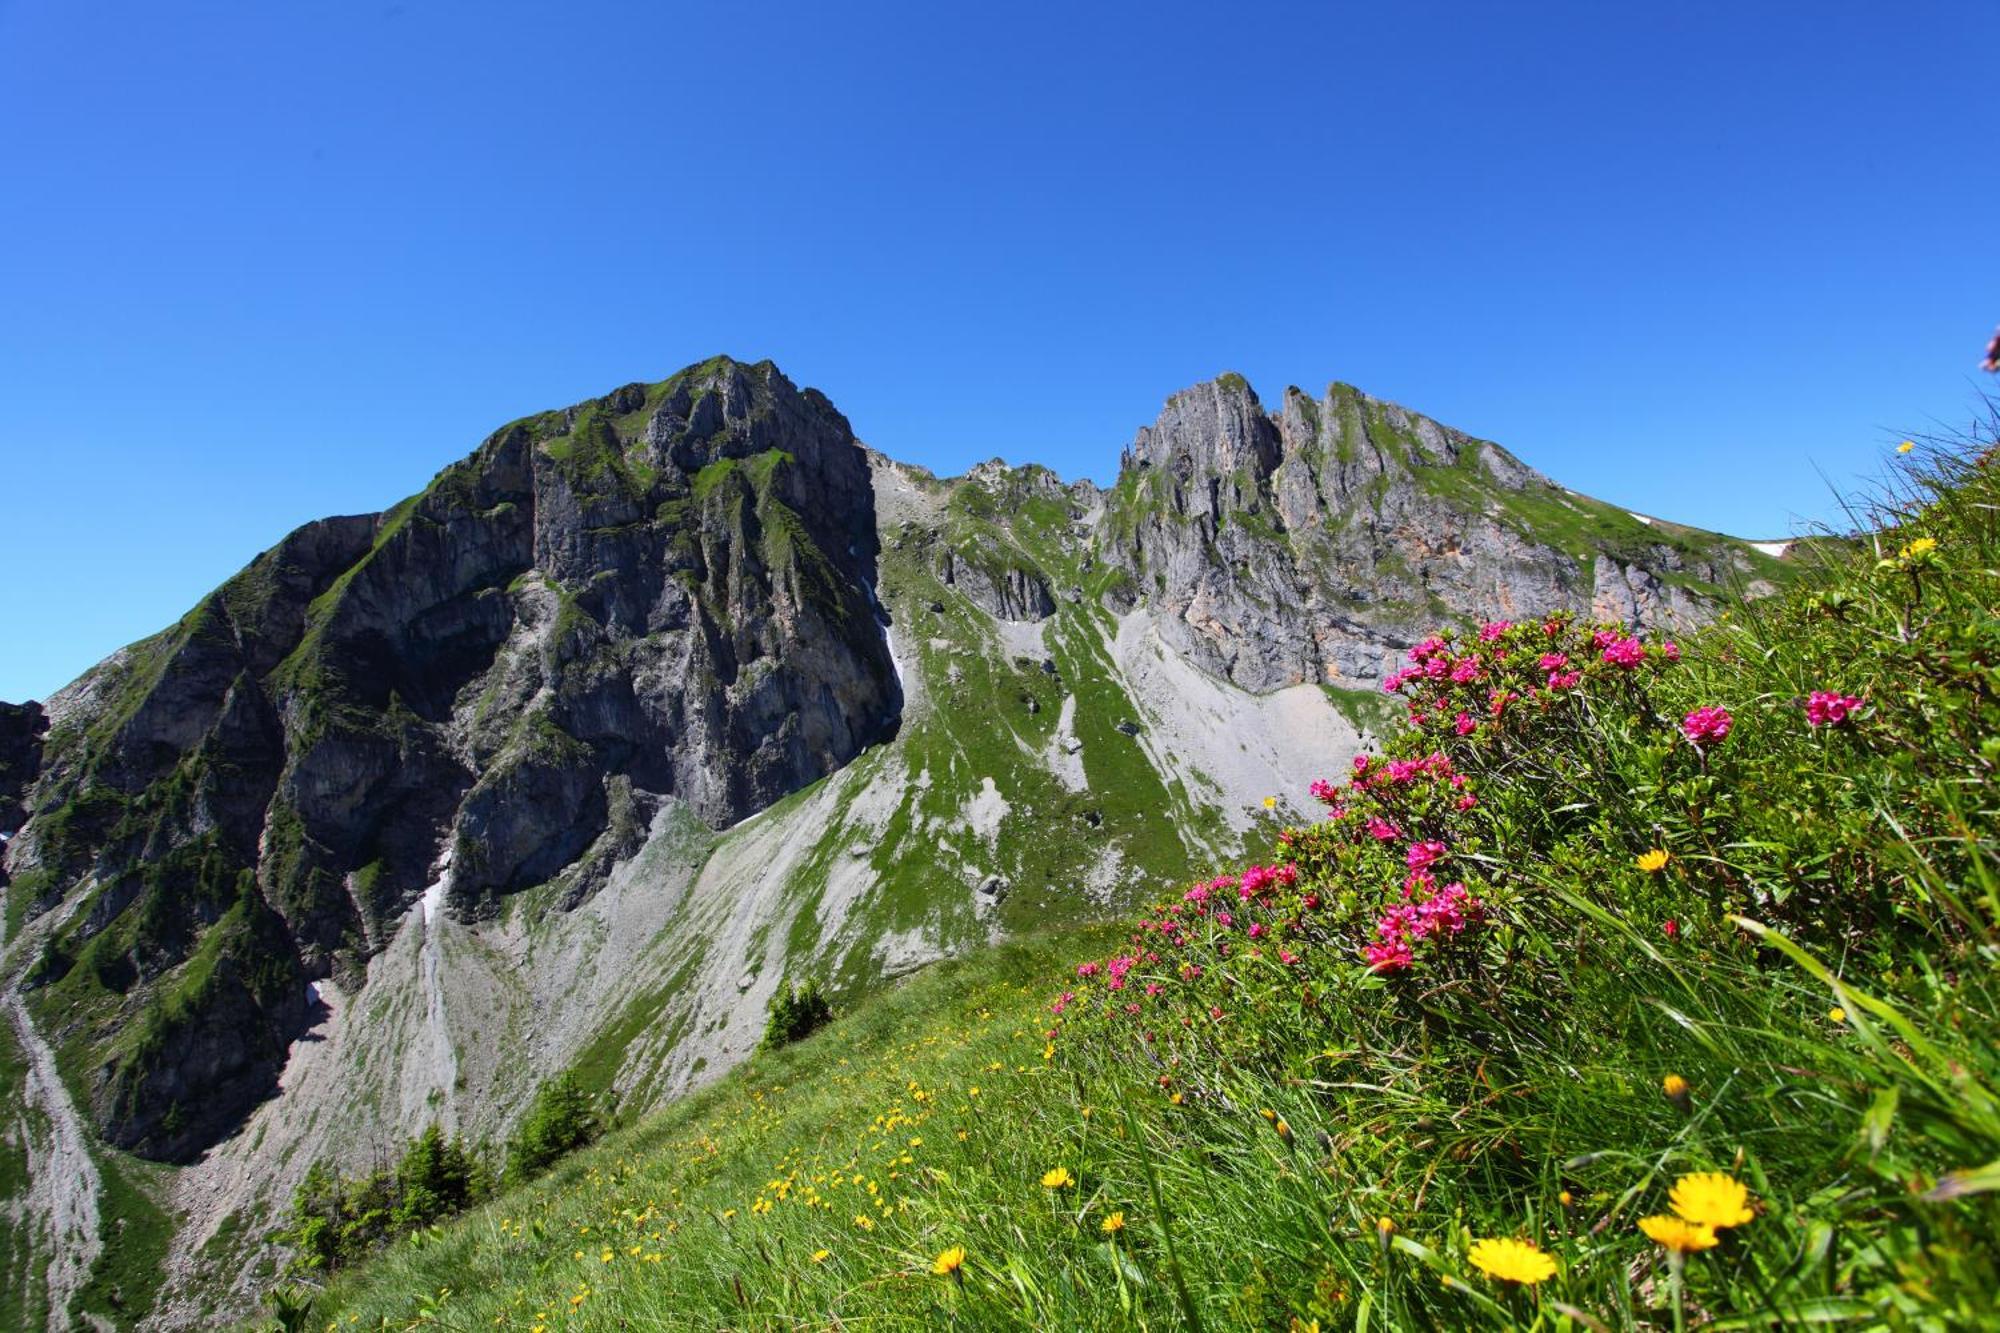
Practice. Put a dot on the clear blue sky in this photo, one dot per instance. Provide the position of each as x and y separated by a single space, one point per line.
265 261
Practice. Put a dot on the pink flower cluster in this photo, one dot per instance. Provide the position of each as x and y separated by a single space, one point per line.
1626 653
1826 708
1423 854
1706 726
1260 879
1447 911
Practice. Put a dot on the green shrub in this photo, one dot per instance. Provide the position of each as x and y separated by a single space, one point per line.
337 1220
795 1013
561 1119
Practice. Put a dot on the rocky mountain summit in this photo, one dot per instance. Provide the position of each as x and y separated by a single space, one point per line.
1317 542
665 592
566 762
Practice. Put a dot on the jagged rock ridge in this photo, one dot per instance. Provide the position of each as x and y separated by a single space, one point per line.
1317 542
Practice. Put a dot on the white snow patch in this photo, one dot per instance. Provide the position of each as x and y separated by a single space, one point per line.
1641 517
444 1056
1772 548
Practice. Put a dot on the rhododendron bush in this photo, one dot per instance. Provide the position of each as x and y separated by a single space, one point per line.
1399 885
1626 768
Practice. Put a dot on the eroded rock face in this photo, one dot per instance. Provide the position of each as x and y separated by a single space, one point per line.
1315 543
21 728
662 592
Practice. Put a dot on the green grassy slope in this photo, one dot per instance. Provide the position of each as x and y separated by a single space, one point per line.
1259 1130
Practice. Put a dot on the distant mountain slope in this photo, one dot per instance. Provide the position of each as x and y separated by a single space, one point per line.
566 762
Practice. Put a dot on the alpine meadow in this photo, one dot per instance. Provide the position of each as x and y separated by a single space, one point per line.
1311 668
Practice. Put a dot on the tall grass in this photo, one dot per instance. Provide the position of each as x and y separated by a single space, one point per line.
1313 1124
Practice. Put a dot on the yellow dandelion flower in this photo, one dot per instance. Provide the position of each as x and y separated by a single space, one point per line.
821 1256
1674 1086
1270 803
1565 1198
1836 1014
1921 546
864 1221
1653 862
1512 1261
1711 1199
1385 1226
949 1261
1112 1224
1906 446
1677 1234
1057 1178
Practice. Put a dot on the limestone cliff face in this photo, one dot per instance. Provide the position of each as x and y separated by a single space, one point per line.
1314 543
662 593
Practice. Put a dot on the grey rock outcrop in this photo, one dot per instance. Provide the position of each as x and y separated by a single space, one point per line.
1315 543
996 586
661 593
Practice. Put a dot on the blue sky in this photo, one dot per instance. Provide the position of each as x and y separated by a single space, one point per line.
262 262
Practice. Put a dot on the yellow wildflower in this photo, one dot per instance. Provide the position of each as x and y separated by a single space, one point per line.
1920 547
821 1256
1674 1086
1057 1178
1654 861
1906 446
1677 1234
949 1261
1711 1199
1837 1014
1270 803
1112 1224
1512 1261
